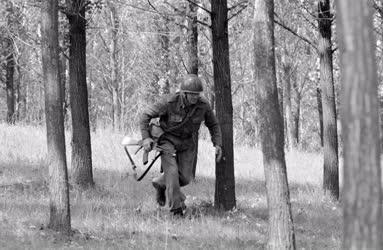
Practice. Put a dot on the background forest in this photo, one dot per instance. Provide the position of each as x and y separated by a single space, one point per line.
281 188
135 49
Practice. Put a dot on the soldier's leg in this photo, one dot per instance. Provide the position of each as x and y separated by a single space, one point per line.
186 159
170 178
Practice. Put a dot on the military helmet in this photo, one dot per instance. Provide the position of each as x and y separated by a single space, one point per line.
191 84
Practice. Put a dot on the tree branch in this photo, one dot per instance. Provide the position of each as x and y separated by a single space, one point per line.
245 2
296 34
177 10
104 42
199 6
184 14
204 24
333 50
166 16
238 12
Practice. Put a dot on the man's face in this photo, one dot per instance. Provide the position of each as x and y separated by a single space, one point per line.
192 98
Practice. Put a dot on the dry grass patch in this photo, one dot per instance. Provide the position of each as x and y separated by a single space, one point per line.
121 213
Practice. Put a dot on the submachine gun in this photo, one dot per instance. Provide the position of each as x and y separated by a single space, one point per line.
155 133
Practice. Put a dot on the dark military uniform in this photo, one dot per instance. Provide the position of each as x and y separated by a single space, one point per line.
177 141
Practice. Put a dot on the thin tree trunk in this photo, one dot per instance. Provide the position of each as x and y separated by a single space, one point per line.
330 134
320 114
288 106
362 204
10 62
59 219
297 115
18 91
123 87
380 96
192 68
9 82
224 170
82 173
165 53
115 66
63 83
281 231
192 43
296 108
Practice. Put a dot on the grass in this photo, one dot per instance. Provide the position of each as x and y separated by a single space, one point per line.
121 213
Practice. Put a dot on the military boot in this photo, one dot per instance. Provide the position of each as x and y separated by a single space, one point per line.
160 194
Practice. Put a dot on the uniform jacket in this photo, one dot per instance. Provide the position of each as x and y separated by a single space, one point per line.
172 111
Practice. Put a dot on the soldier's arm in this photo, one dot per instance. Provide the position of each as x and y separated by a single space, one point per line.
212 124
153 111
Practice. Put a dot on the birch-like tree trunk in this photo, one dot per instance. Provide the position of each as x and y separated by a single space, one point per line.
287 68
115 66
281 231
362 195
192 61
9 82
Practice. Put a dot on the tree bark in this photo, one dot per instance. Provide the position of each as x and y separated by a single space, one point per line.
192 68
296 109
9 62
17 90
9 82
163 30
63 90
288 106
82 174
320 114
330 134
362 206
224 170
192 41
380 96
59 219
281 231
115 67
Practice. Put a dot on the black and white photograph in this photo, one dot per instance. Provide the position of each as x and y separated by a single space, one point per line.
191 124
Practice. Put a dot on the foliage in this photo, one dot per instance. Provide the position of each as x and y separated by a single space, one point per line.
140 59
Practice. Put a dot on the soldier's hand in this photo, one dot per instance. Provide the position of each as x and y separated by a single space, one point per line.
147 144
218 153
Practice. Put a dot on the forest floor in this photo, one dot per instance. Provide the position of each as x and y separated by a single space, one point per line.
120 213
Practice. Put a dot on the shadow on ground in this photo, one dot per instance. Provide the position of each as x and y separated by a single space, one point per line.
118 199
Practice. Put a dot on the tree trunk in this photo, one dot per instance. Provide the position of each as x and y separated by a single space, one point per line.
18 91
320 114
362 206
296 119
192 43
63 90
9 62
59 219
9 83
115 67
82 174
192 68
281 231
330 134
380 96
296 108
224 170
164 62
288 107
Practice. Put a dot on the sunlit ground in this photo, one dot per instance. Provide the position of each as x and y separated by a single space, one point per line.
121 213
